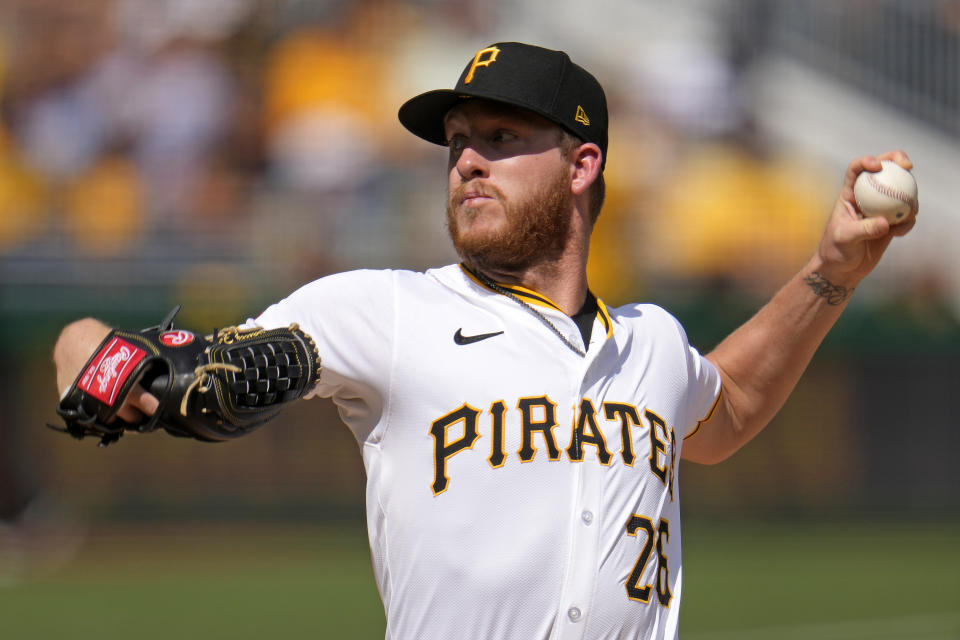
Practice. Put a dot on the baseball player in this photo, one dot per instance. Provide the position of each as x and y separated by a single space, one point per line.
521 439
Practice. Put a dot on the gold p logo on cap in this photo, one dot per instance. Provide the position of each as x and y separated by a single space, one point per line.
480 61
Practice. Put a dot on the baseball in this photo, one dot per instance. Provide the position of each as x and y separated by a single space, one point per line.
890 192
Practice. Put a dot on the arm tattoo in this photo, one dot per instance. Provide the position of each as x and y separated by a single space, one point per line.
834 293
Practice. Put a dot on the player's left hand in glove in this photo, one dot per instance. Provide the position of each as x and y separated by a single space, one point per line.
211 388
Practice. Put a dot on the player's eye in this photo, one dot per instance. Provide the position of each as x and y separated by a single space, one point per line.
502 136
457 144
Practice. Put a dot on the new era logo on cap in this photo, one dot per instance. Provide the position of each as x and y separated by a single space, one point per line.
541 80
581 117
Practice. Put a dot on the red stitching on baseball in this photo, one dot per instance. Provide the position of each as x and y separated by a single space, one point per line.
892 193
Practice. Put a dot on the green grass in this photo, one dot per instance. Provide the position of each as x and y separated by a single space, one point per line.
873 580
826 580
231 583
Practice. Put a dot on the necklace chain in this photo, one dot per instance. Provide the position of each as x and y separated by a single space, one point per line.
539 316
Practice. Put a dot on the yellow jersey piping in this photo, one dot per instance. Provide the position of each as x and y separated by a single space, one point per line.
707 417
533 297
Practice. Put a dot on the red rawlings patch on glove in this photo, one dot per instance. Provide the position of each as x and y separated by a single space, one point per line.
109 370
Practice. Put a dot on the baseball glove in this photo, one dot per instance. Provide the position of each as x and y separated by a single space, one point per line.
211 388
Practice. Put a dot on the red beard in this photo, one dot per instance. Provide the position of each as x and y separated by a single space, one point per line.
536 230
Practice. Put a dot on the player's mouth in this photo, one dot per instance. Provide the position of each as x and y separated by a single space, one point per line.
470 196
474 199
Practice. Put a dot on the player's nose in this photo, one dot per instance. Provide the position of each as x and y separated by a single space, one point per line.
471 164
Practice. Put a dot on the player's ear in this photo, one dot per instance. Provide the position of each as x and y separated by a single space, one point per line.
586 164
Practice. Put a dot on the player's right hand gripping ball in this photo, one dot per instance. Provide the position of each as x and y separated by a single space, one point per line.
210 388
890 192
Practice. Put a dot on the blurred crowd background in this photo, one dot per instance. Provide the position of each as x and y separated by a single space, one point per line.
219 153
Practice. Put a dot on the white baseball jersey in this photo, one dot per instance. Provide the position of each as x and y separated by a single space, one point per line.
515 489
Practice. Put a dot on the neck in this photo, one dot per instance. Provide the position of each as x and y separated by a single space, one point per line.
561 278
563 281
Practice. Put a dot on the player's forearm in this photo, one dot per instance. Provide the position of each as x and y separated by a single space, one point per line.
762 361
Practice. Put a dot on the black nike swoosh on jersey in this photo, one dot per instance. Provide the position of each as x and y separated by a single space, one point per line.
461 339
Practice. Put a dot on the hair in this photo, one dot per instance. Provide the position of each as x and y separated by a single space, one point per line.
598 190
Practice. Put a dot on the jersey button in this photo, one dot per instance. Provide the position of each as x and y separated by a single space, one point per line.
574 614
587 517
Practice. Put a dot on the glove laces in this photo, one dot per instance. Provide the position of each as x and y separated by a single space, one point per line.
203 380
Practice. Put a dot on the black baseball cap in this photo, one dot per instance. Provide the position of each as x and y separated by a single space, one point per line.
543 81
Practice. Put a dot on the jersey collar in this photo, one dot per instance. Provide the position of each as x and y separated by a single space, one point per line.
532 297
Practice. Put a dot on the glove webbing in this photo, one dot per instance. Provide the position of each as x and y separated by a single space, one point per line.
270 373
